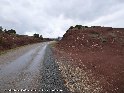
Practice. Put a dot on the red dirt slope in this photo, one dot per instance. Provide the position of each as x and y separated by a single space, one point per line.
101 49
9 41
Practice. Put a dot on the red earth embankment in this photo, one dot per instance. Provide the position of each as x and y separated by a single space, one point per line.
9 41
101 49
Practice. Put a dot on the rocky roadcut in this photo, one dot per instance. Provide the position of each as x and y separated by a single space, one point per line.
97 49
76 79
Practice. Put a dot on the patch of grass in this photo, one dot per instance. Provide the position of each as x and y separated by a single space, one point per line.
9 50
103 39
53 43
2 52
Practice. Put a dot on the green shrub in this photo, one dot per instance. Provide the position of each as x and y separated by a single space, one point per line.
36 35
78 26
1 29
71 27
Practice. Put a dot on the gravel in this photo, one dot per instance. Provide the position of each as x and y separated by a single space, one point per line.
52 81
77 80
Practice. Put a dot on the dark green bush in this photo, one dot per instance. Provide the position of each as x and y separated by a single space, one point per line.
78 26
71 27
36 35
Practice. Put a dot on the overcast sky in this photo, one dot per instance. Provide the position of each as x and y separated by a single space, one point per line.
52 18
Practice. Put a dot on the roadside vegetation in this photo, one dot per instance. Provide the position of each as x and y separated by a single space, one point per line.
9 39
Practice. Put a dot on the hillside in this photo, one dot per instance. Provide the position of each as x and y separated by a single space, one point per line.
92 38
9 39
97 49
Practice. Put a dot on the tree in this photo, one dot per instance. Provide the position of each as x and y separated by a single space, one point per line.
78 26
11 31
1 28
36 35
86 26
5 30
71 27
41 37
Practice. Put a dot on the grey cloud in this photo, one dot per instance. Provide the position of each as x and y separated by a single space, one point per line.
52 18
82 10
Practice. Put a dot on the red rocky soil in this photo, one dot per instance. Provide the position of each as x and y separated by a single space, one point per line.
99 50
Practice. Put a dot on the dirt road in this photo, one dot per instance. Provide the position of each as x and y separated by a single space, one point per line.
32 70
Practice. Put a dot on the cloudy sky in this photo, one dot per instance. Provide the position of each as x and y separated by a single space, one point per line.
52 18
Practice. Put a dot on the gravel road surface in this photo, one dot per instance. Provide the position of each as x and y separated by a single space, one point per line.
30 69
